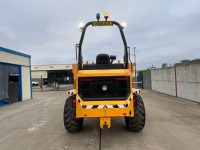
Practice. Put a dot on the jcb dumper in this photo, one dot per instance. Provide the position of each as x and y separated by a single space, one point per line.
103 89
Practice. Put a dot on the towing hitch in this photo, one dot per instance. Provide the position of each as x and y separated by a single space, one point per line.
105 123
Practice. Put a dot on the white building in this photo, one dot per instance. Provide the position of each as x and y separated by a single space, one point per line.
15 76
60 73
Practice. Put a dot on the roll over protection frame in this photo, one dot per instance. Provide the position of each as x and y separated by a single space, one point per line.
82 37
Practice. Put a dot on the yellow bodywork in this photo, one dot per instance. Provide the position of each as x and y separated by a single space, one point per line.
104 109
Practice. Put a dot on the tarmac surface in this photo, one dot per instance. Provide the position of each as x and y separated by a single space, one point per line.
171 124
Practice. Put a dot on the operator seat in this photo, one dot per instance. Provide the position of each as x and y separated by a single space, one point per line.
103 59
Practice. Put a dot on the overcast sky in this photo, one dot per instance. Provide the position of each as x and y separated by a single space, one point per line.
163 31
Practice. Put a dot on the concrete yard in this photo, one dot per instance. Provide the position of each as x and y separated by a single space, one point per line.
171 124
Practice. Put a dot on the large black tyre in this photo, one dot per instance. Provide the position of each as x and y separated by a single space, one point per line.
71 123
136 123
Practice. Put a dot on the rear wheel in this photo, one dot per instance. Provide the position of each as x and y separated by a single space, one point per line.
71 123
136 123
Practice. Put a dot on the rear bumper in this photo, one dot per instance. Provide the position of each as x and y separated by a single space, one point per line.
85 109
98 109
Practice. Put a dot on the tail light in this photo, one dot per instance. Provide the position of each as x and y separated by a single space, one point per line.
134 101
86 79
121 79
74 103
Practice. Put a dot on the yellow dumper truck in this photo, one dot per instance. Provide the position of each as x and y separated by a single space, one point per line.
103 89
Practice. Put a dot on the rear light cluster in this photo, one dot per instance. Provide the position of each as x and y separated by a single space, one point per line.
121 79
85 79
134 101
74 103
90 79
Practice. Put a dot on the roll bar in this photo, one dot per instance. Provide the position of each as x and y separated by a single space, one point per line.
79 46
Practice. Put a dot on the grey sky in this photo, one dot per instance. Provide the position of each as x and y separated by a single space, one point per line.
163 31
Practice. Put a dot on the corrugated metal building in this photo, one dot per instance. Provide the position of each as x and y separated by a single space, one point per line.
15 76
60 73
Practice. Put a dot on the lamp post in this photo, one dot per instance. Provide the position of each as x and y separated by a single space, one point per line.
135 64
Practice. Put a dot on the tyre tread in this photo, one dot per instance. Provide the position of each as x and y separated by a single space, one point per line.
136 123
71 123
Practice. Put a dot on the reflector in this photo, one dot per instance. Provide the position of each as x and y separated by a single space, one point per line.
74 103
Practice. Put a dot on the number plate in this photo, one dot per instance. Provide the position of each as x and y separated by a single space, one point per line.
102 23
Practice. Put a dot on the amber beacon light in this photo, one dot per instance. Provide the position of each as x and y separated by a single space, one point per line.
106 16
